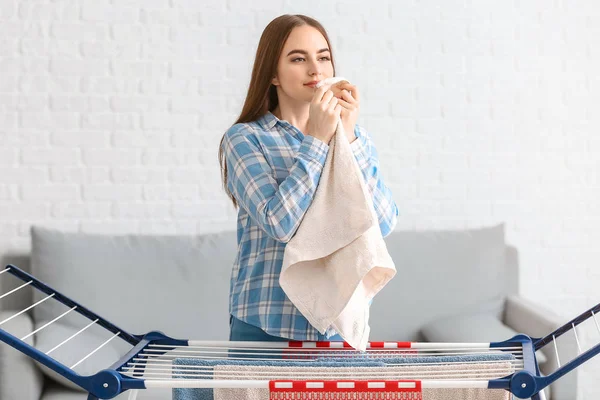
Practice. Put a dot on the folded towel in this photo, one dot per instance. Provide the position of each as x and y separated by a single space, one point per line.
338 261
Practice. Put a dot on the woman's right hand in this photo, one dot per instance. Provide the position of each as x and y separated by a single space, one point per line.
324 114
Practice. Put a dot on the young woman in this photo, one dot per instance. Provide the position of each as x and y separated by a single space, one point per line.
271 161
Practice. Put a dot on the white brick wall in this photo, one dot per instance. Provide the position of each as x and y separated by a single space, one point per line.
483 111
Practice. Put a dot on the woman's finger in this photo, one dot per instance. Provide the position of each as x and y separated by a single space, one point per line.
348 96
352 89
345 94
333 103
346 104
327 97
318 95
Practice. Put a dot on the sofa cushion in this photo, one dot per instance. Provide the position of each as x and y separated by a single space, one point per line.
470 328
175 284
445 272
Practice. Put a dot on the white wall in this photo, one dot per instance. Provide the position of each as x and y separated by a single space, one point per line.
483 111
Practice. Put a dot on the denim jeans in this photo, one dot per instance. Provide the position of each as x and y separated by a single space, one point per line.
241 331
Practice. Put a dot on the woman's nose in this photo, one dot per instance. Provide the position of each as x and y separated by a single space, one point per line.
314 68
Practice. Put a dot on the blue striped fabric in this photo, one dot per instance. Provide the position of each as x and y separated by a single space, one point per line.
205 368
273 172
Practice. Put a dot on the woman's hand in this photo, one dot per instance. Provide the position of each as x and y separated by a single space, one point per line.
349 99
324 113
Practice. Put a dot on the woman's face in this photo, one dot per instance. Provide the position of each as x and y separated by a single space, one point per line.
305 58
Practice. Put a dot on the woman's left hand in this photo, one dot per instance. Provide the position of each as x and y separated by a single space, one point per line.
349 99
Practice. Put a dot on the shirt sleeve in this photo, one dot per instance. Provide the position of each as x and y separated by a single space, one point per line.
277 209
367 157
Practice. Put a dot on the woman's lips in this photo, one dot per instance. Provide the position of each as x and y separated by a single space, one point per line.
312 84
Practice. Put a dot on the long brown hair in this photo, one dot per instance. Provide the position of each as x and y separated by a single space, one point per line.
262 94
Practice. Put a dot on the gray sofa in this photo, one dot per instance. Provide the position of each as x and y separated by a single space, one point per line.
451 286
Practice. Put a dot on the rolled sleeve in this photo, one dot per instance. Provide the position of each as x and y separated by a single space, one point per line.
313 149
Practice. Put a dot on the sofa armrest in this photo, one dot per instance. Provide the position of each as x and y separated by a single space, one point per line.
536 321
20 378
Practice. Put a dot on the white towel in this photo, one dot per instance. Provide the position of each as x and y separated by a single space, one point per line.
337 261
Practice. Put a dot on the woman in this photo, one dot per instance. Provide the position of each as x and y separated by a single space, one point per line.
271 161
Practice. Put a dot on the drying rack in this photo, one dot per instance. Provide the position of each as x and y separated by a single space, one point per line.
149 362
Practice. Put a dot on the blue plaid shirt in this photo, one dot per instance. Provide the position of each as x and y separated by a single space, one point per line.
273 172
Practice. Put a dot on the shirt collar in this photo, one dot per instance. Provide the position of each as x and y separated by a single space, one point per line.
268 120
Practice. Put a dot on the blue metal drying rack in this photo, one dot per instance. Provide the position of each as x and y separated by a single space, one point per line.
111 381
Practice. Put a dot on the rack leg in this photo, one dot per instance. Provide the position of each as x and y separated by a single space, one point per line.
92 397
540 396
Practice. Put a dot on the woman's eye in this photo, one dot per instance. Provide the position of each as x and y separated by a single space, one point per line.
300 58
